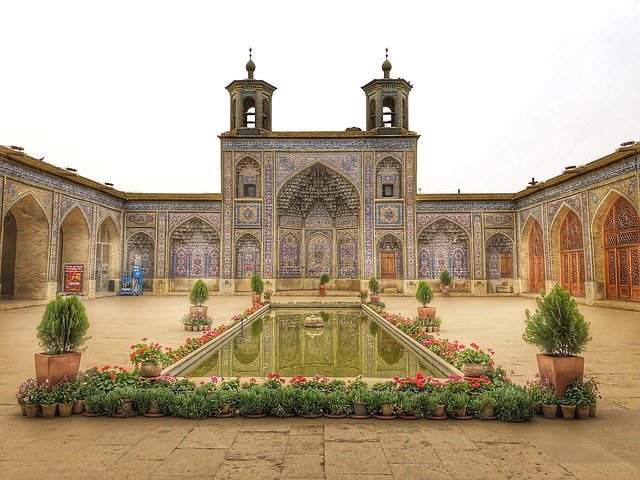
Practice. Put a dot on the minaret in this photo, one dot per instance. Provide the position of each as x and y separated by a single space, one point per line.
387 101
250 102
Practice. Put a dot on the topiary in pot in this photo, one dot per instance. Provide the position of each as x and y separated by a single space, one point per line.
257 287
374 288
322 288
445 282
424 294
560 331
199 294
61 334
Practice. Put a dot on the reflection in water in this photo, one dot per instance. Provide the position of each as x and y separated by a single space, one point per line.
348 345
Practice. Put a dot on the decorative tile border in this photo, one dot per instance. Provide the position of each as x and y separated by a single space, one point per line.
247 214
302 144
389 214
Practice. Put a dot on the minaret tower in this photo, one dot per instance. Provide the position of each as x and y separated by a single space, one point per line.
250 103
387 101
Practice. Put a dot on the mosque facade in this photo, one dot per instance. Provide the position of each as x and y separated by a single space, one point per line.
296 205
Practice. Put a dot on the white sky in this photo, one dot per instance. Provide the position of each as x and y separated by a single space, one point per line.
133 92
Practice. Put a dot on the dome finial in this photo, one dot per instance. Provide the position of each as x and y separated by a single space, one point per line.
386 66
251 67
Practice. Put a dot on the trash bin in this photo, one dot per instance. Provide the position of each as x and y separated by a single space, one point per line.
112 285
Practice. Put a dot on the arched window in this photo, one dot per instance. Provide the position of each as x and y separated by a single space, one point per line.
536 258
371 120
249 112
572 254
266 115
388 112
622 251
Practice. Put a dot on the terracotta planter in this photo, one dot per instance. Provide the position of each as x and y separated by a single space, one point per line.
23 409
386 409
568 411
550 411
445 290
198 312
150 369
473 370
64 409
425 313
78 406
560 370
374 298
33 410
582 412
322 290
55 367
49 411
256 299
439 411
592 410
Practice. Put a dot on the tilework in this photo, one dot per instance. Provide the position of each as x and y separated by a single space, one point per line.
368 215
347 164
131 232
16 190
141 219
141 243
288 221
268 219
574 202
382 155
176 219
313 144
247 214
227 229
241 155
248 256
319 254
289 256
161 251
93 235
103 213
472 206
462 219
492 219
347 221
391 243
174 206
389 214
196 260
523 216
586 236
443 244
54 236
489 232
410 195
478 245
495 245
68 203
347 257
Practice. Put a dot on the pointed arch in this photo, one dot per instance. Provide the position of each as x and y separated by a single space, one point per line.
436 245
107 254
193 245
618 229
390 264
141 246
248 256
499 256
389 178
248 178
348 256
319 255
567 250
25 250
289 256
74 244
534 240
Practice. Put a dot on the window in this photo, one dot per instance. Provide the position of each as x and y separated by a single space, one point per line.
387 190
249 189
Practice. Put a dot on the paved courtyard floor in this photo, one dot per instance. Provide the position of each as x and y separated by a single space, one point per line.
140 448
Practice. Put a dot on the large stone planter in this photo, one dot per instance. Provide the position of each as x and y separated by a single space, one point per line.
55 367
560 370
198 312
425 313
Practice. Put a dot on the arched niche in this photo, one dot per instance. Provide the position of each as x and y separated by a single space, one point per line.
25 250
248 178
74 245
248 256
194 250
567 251
443 245
107 254
141 246
390 264
499 257
389 178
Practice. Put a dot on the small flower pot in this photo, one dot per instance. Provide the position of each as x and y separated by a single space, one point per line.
78 406
49 411
149 369
568 411
23 409
386 409
582 412
473 370
33 410
64 409
592 410
439 411
550 411
360 409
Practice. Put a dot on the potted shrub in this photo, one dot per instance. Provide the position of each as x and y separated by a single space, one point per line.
472 361
549 403
257 287
579 393
560 331
336 404
199 294
514 404
362 295
374 288
61 334
267 296
424 294
445 282
65 394
322 289
484 405
150 357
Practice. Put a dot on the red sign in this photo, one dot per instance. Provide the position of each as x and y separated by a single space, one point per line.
73 273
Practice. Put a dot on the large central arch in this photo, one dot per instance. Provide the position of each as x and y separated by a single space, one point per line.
318 221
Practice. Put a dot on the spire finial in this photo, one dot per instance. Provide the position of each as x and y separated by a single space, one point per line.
251 67
386 66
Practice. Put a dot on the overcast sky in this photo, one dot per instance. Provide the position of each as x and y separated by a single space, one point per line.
133 92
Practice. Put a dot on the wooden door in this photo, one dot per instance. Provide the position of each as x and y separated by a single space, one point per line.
536 259
572 255
388 265
506 265
622 252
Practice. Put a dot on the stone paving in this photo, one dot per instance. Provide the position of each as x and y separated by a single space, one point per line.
139 448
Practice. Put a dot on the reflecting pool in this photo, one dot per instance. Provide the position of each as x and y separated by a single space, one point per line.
349 344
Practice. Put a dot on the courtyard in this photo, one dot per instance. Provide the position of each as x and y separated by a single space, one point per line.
81 447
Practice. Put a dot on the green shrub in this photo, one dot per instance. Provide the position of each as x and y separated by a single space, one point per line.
514 404
424 293
199 293
257 284
374 286
63 326
445 278
557 327
324 279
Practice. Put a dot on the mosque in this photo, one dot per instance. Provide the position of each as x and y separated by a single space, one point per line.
296 205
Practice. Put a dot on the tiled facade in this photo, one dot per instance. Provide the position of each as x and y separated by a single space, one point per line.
296 205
